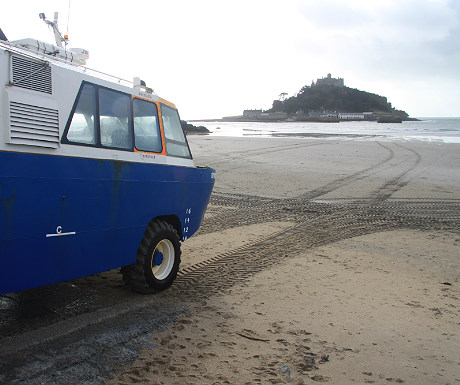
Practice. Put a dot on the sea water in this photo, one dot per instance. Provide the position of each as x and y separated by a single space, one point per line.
444 130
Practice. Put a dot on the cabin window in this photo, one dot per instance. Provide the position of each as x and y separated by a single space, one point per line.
112 119
176 144
115 119
82 129
146 128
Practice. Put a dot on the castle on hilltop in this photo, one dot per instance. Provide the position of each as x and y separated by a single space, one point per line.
328 82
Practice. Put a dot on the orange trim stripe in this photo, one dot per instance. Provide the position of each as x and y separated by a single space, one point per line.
164 101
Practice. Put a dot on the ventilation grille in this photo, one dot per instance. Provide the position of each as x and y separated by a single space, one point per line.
33 125
32 75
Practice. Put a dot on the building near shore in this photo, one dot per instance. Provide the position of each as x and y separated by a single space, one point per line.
323 114
311 115
252 113
351 116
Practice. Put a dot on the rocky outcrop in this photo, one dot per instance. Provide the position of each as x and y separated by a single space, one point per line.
190 129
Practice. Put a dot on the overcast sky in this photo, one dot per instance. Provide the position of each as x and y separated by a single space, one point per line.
217 58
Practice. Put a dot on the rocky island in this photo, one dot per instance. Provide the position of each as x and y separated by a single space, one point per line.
327 100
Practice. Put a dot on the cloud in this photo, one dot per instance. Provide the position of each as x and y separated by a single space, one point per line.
400 38
334 15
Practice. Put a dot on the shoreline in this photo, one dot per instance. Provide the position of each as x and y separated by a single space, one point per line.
447 130
301 120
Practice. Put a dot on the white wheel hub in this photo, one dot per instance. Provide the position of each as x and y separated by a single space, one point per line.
163 259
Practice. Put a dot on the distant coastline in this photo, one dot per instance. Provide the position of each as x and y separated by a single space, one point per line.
276 119
273 118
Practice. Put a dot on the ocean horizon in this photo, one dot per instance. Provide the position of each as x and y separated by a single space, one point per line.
437 129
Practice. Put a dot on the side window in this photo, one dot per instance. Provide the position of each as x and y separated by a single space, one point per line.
82 129
115 119
176 144
146 128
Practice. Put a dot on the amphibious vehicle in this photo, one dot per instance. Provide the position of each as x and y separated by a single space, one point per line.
95 173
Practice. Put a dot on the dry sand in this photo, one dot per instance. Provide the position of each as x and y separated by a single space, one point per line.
379 305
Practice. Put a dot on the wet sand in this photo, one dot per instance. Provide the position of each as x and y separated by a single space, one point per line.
319 260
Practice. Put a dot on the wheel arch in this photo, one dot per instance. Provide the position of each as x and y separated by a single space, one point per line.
173 220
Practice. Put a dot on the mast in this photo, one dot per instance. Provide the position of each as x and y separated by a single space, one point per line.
54 25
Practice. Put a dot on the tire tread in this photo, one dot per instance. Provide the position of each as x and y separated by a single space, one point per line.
134 274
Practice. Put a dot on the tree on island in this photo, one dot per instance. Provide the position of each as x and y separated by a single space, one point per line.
282 96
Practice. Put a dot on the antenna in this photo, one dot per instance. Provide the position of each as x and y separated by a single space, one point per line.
68 18
54 25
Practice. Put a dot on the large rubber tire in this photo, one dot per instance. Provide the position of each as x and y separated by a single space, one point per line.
157 261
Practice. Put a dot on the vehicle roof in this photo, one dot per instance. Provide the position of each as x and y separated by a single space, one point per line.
83 69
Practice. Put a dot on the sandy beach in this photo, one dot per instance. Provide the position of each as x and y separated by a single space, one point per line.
319 261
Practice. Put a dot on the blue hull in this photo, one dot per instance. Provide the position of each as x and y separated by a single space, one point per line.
62 218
